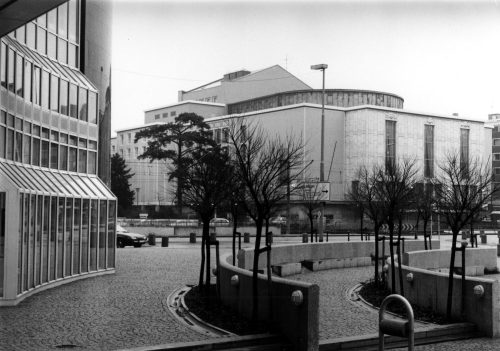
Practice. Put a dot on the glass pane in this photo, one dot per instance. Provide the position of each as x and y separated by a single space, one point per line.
44 90
36 85
54 155
18 151
45 153
92 107
30 35
42 20
27 149
72 159
11 70
19 75
53 236
60 237
73 55
82 104
41 40
73 20
54 93
111 234
3 132
82 161
63 158
45 239
35 161
27 80
52 20
31 259
52 46
62 27
73 103
85 235
26 253
3 65
2 238
67 237
93 235
102 234
21 34
62 50
92 169
76 236
10 145
63 97
38 240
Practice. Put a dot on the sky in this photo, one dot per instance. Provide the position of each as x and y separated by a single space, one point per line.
442 57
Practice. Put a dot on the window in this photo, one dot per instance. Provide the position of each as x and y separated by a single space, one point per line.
92 109
44 90
113 148
36 85
63 157
172 114
72 159
30 34
45 153
3 65
429 151
390 144
54 155
121 138
157 116
19 75
136 151
63 97
496 142
165 115
464 149
92 162
54 93
27 149
218 136
41 40
496 157
52 20
128 152
225 135
129 135
82 104
62 50
27 80
73 20
62 17
73 104
35 160
2 141
82 161
10 70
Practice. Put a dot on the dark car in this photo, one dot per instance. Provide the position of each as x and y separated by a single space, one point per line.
125 238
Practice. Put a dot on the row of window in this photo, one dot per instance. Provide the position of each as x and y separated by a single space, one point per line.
165 115
62 237
22 141
137 152
55 34
390 147
34 84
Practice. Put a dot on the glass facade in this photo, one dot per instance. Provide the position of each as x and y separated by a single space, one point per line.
64 214
429 151
390 143
464 149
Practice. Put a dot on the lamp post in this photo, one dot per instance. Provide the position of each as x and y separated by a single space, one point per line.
322 67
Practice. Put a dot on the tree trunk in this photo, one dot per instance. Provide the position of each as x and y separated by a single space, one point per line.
400 258
375 230
179 179
206 235
361 223
425 234
450 274
235 228
391 250
416 226
269 275
255 297
202 266
311 225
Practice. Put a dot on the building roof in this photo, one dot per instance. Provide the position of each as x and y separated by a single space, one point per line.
142 126
185 102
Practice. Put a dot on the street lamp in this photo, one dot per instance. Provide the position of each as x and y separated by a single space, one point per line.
322 67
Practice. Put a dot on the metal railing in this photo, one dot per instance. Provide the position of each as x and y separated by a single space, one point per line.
396 327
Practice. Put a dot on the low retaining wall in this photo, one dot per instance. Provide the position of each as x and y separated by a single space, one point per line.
298 323
429 289
223 230
320 251
434 259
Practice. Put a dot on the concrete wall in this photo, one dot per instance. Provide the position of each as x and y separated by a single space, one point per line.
184 231
429 290
168 113
432 259
317 251
297 323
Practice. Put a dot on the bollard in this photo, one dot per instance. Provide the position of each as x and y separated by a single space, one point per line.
164 241
213 237
192 238
483 237
305 238
395 327
246 237
151 239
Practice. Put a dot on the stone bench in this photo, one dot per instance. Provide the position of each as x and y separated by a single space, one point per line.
286 269
333 263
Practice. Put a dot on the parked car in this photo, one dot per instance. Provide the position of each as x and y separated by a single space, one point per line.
219 222
277 220
125 238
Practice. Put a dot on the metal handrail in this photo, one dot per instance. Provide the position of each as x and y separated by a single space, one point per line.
395 327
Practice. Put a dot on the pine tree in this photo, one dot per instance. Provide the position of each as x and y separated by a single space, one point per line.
120 186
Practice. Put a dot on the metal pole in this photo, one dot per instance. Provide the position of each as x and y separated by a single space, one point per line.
322 160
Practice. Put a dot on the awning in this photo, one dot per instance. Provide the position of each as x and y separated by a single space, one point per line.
55 183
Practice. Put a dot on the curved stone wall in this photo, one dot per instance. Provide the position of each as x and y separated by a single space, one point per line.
333 97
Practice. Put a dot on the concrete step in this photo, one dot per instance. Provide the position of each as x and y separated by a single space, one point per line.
431 335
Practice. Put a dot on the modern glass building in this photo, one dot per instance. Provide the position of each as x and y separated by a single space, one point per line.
57 218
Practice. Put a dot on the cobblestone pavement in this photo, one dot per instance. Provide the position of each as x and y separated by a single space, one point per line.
479 344
109 312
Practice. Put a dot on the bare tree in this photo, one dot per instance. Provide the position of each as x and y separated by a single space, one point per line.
462 189
207 176
396 186
425 203
266 165
311 194
364 193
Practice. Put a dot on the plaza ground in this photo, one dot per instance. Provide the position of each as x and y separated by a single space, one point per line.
128 309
